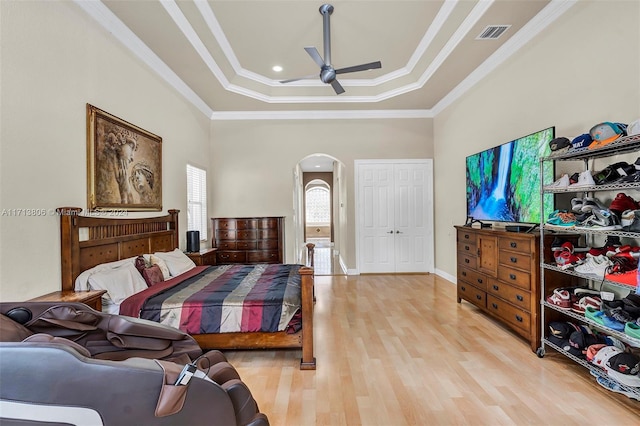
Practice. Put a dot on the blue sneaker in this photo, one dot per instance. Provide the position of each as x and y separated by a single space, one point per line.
615 387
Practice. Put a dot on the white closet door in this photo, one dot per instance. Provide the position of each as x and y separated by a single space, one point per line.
376 210
395 216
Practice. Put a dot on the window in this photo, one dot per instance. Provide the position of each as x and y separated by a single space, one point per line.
197 200
318 205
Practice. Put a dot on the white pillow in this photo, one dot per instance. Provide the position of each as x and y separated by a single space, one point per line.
82 284
177 261
120 282
155 260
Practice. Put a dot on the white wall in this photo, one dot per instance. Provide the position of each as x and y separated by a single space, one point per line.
253 162
55 59
582 70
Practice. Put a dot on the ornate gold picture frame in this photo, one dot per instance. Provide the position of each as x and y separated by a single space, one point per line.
124 164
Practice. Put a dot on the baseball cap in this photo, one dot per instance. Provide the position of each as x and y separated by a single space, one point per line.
605 133
559 145
633 128
624 367
581 142
603 355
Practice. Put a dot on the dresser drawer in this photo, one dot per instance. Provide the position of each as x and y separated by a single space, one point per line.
474 278
224 224
263 257
467 237
267 223
226 234
246 223
246 245
514 277
246 234
225 245
509 313
267 244
472 295
267 234
467 260
511 294
467 248
522 245
231 257
515 259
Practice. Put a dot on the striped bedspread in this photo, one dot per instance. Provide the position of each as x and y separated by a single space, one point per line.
222 299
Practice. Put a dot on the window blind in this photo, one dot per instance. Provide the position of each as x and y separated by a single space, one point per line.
197 200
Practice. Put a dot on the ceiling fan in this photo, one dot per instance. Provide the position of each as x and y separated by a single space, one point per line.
327 72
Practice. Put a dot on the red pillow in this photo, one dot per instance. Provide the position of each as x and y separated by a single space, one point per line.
152 275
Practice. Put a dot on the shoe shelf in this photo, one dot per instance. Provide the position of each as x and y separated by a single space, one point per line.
551 267
625 145
620 146
596 371
596 188
632 341
590 231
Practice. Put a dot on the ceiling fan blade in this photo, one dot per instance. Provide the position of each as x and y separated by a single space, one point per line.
337 87
363 67
306 77
313 52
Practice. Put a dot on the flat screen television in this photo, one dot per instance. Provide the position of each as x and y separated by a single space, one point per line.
503 183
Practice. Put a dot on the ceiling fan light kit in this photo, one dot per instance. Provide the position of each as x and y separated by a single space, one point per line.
327 72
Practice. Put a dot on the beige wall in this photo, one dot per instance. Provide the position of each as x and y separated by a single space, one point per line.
583 69
247 155
54 61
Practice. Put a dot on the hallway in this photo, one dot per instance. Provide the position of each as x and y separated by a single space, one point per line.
324 260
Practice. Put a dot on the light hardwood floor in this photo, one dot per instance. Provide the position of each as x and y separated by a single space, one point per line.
399 350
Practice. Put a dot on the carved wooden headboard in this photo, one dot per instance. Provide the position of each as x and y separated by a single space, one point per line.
87 241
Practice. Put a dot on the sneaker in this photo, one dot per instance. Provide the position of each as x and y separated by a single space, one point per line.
589 203
635 224
580 306
632 178
574 177
614 386
623 202
594 266
561 183
632 329
626 218
560 299
601 220
585 180
562 219
576 205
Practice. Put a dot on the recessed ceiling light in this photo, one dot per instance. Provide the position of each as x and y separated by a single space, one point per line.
277 68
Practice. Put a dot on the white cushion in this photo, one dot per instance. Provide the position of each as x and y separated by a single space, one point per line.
177 261
82 281
120 282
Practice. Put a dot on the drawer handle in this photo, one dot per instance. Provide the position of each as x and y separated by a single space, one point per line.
478 297
520 298
512 276
495 306
479 280
463 288
463 273
467 248
518 318
495 287
466 261
513 244
514 260
466 236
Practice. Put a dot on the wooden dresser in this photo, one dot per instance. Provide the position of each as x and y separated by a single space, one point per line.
249 239
498 272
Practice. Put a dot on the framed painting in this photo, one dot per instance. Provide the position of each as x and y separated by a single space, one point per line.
124 164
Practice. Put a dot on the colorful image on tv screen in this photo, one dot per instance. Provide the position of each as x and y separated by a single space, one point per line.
503 183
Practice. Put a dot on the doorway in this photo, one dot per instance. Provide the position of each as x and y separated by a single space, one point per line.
319 197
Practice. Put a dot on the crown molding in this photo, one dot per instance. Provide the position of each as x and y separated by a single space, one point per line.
321 115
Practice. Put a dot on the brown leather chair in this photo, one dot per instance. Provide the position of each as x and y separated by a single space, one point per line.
67 363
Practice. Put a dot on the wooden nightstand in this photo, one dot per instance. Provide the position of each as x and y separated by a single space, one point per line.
203 257
92 298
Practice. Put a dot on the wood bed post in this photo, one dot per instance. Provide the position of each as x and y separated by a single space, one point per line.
308 361
174 225
310 247
70 257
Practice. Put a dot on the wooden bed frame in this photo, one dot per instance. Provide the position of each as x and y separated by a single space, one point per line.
87 241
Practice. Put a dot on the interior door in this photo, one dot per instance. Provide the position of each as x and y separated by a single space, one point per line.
395 219
376 214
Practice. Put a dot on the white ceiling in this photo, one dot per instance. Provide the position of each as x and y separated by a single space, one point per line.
219 54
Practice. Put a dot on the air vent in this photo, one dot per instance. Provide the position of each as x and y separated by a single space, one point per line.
492 32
